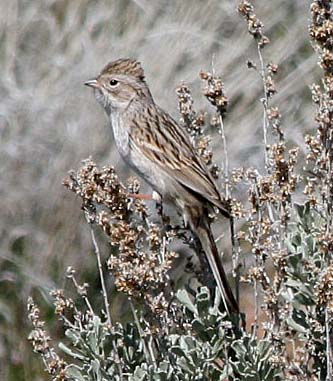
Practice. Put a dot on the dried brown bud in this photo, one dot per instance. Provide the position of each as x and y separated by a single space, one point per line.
251 64
272 68
214 91
245 8
270 86
263 42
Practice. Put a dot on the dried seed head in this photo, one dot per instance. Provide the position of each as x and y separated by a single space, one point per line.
203 149
61 303
245 8
272 68
324 289
96 186
214 91
189 117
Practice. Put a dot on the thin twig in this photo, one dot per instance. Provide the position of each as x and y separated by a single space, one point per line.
101 275
148 352
256 289
226 159
234 245
105 298
329 373
279 229
83 295
265 105
235 258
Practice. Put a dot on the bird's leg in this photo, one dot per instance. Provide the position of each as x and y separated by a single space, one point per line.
140 196
159 204
159 207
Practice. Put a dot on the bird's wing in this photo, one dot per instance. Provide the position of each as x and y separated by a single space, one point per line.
158 137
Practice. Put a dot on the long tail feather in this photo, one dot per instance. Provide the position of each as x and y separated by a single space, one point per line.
207 241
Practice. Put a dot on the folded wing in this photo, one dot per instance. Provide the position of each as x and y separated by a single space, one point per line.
171 149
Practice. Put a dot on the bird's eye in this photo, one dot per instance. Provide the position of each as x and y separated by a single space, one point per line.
113 82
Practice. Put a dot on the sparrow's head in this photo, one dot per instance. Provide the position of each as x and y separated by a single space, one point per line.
119 84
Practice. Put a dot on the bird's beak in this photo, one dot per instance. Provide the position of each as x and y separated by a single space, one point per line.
92 83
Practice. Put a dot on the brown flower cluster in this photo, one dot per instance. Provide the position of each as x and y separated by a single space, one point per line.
62 304
324 289
283 163
193 121
321 28
273 191
321 147
203 148
141 266
214 91
325 241
40 340
255 26
140 259
272 115
98 187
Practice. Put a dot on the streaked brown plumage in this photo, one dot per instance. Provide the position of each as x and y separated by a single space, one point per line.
156 147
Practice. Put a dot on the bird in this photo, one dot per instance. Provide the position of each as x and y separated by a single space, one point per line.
161 152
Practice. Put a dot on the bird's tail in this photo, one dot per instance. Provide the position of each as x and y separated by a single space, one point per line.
205 236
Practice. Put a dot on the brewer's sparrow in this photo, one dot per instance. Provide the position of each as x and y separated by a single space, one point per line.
161 152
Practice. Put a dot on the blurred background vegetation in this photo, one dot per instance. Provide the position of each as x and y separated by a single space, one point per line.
49 121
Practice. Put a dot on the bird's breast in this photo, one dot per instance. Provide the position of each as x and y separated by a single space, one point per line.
121 135
151 172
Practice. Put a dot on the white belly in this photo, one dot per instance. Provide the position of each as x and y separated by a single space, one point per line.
152 173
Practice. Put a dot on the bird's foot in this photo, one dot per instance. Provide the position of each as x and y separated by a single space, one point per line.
140 196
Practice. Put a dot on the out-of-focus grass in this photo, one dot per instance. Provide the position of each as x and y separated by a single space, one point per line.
49 121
